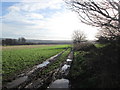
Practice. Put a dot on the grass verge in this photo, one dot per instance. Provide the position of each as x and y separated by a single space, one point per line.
96 68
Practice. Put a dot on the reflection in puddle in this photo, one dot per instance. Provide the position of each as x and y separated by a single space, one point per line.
65 67
60 83
54 56
43 64
69 60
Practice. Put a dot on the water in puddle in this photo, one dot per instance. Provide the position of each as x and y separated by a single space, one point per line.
43 64
65 67
69 60
54 56
17 82
60 83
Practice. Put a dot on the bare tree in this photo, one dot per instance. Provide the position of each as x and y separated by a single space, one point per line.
103 13
108 33
78 36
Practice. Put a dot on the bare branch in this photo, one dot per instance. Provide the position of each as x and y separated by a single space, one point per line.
100 14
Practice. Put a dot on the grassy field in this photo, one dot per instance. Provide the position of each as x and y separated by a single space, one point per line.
17 58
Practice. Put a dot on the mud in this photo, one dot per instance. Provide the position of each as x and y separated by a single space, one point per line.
17 82
55 79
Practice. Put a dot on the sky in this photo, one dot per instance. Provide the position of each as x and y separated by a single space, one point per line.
40 19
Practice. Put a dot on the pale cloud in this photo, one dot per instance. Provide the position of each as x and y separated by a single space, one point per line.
24 11
40 0
19 17
29 6
26 0
14 8
23 20
34 16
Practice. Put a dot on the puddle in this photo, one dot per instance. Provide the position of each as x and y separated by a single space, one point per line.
54 56
69 60
17 82
43 64
60 83
65 67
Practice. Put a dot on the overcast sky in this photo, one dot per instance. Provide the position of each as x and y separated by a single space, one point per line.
41 19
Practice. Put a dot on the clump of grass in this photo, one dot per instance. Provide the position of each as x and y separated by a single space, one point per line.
100 45
84 47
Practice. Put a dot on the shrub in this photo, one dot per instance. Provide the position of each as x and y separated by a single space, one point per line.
84 47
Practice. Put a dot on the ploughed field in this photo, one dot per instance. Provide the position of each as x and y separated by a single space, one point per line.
17 59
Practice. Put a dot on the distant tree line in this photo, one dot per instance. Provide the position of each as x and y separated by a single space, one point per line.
19 41
23 41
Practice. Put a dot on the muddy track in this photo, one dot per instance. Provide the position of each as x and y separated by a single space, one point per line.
59 74
60 78
32 79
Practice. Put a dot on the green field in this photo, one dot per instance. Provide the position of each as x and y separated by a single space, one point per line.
15 60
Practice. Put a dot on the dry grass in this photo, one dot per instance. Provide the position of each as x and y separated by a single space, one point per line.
24 46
